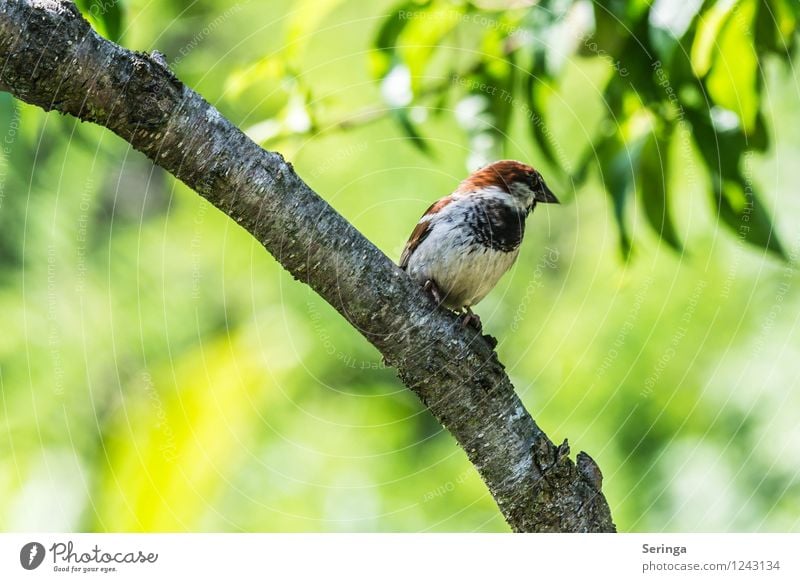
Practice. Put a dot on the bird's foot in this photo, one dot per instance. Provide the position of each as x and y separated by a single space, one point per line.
471 318
431 288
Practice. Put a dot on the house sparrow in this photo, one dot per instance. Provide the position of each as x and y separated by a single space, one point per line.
464 242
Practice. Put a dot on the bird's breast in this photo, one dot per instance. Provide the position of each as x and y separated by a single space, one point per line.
467 250
496 225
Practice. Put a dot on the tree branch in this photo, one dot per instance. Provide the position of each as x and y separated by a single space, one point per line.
52 58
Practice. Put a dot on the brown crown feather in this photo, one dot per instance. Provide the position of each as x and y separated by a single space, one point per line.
499 174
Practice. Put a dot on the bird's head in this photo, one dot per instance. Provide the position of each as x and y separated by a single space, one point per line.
524 184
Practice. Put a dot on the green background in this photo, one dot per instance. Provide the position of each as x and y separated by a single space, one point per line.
159 371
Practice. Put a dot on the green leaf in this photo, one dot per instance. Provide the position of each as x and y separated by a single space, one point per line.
776 24
651 179
106 16
267 79
581 171
499 81
786 14
721 151
733 81
708 31
502 109
741 210
635 158
617 164
610 28
759 140
423 34
539 96
537 89
401 116
306 17
669 21
385 56
734 197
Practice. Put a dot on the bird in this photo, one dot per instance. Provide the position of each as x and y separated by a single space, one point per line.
464 243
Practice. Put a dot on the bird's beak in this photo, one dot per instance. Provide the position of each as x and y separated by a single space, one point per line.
546 196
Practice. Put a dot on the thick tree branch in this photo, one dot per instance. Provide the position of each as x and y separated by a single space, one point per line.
50 57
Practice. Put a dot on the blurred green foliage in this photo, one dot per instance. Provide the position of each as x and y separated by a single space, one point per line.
159 371
671 63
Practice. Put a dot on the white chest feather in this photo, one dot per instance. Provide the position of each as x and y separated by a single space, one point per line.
462 268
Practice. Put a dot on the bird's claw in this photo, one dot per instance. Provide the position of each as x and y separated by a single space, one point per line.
468 317
431 288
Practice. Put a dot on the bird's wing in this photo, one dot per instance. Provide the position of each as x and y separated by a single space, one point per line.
423 229
419 234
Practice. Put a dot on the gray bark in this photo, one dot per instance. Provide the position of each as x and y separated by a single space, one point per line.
52 58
